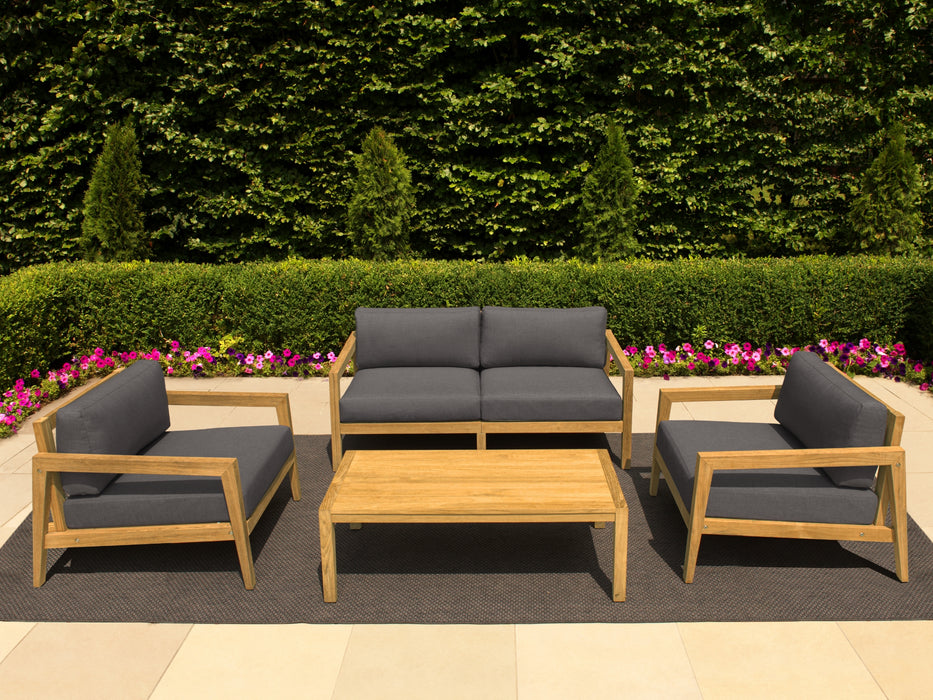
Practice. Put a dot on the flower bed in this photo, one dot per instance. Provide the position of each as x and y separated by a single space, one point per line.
710 359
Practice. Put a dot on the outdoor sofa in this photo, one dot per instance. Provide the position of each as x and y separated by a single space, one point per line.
480 371
109 471
830 467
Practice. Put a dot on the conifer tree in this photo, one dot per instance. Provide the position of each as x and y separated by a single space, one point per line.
113 223
383 201
885 216
607 206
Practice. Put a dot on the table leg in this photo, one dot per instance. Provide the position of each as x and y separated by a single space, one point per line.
620 556
328 557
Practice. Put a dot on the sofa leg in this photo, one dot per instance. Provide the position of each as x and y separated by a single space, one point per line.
336 449
480 440
898 491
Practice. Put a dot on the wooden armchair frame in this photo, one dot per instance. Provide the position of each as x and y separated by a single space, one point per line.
891 482
614 355
50 530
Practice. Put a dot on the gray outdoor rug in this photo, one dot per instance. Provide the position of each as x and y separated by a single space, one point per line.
522 573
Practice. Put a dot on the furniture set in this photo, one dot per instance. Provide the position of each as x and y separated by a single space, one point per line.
109 470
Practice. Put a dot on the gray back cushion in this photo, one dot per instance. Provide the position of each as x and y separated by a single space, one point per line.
417 337
822 408
516 337
121 416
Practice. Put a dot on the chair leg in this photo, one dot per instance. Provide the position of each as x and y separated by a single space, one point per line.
41 503
695 523
898 492
655 475
233 494
296 485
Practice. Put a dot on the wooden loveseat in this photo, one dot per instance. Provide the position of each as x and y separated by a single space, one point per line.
481 371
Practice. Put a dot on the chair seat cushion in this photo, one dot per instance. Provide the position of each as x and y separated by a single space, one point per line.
794 495
411 394
549 394
160 499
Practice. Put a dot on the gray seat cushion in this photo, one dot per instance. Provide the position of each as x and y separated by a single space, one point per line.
120 416
417 337
824 409
518 337
549 394
411 394
159 499
795 495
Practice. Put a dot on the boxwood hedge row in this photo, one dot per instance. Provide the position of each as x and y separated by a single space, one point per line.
51 312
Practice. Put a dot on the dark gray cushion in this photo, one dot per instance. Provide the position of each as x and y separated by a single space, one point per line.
548 394
417 337
824 409
120 416
517 337
159 499
411 394
795 495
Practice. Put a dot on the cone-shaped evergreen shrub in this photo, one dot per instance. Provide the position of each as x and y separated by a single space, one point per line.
113 223
885 216
383 200
607 206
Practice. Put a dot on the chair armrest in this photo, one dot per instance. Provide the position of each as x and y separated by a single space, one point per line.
785 459
672 395
278 401
60 462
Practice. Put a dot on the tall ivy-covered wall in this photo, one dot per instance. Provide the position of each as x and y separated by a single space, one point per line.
749 124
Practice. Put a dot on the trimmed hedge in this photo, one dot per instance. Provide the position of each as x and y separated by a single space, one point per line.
50 312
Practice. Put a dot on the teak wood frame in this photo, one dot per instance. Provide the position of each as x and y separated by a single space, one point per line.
891 482
50 531
481 428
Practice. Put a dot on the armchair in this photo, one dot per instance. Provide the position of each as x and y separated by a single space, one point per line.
829 468
108 470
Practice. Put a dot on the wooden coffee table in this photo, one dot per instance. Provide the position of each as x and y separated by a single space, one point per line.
474 486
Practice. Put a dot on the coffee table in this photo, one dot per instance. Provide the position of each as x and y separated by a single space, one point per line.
474 486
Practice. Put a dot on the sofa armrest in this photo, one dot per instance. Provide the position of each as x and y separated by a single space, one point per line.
278 401
670 396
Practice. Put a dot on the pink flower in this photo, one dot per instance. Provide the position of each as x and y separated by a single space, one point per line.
331 357
269 355
709 345
918 367
35 374
688 347
169 370
176 346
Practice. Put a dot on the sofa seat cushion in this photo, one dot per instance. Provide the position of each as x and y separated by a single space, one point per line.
823 409
412 395
794 495
549 394
442 337
160 499
120 416
526 337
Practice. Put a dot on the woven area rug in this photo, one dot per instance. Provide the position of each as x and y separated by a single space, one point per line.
516 573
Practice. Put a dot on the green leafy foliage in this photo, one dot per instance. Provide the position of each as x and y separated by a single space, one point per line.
750 124
50 312
607 205
886 214
113 223
383 200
